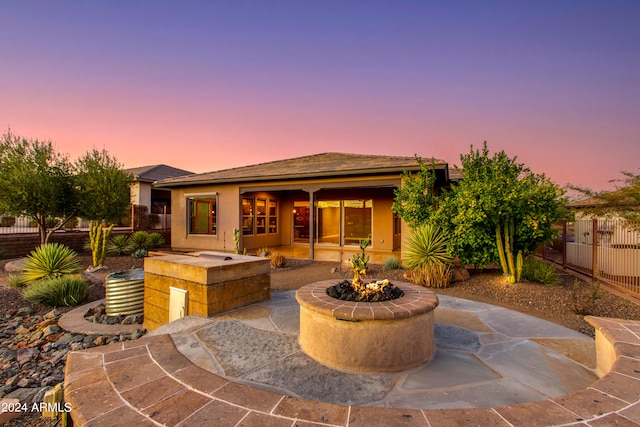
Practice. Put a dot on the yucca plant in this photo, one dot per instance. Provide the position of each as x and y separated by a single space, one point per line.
432 276
65 291
428 257
119 245
48 261
139 240
155 240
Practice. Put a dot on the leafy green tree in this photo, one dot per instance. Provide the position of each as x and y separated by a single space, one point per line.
36 182
103 187
623 202
415 201
498 202
43 185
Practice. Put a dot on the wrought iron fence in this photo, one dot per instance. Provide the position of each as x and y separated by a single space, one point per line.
138 218
605 249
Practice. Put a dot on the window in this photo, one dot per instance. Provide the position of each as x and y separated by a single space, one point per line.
202 216
273 216
247 216
261 216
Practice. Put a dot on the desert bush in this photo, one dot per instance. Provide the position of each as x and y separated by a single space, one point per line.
48 261
119 245
155 240
15 281
154 220
432 275
277 259
537 271
7 221
392 263
65 291
428 256
584 296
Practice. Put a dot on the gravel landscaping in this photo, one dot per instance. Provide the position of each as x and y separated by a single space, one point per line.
33 348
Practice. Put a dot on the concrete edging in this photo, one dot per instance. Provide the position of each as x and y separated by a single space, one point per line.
74 322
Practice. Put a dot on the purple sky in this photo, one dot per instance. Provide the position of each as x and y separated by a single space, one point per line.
211 85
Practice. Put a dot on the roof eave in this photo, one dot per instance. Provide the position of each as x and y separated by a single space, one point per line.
287 177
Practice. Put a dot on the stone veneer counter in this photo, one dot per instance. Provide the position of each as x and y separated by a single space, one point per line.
387 336
215 282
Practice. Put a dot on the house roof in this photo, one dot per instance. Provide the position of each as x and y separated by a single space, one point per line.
313 166
155 173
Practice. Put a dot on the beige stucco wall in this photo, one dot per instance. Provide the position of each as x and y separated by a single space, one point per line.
141 193
228 212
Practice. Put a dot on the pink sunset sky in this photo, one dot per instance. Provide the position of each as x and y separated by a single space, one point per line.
211 85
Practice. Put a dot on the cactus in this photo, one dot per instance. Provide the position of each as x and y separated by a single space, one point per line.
98 239
519 262
236 240
503 259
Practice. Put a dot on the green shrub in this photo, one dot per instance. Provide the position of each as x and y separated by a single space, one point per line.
537 271
119 245
7 221
428 256
48 261
15 281
65 291
140 253
139 240
154 220
155 240
392 263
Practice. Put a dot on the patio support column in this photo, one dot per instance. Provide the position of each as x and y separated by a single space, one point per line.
311 222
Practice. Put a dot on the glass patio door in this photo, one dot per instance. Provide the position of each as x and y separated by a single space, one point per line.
357 221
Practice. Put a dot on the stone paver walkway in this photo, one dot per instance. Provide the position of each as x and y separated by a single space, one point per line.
154 380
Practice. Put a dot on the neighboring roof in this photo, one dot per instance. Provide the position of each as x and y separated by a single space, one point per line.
596 202
156 173
314 166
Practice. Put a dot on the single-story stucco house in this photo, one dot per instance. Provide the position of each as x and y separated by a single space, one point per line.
144 193
324 203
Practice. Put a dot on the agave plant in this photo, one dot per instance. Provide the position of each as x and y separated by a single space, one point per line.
139 240
427 255
50 260
155 240
119 244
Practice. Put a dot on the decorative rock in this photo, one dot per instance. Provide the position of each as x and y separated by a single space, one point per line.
101 340
23 383
25 311
35 336
130 320
13 380
24 395
51 329
26 354
459 275
52 314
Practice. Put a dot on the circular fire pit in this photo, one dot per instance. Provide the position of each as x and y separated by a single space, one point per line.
388 336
